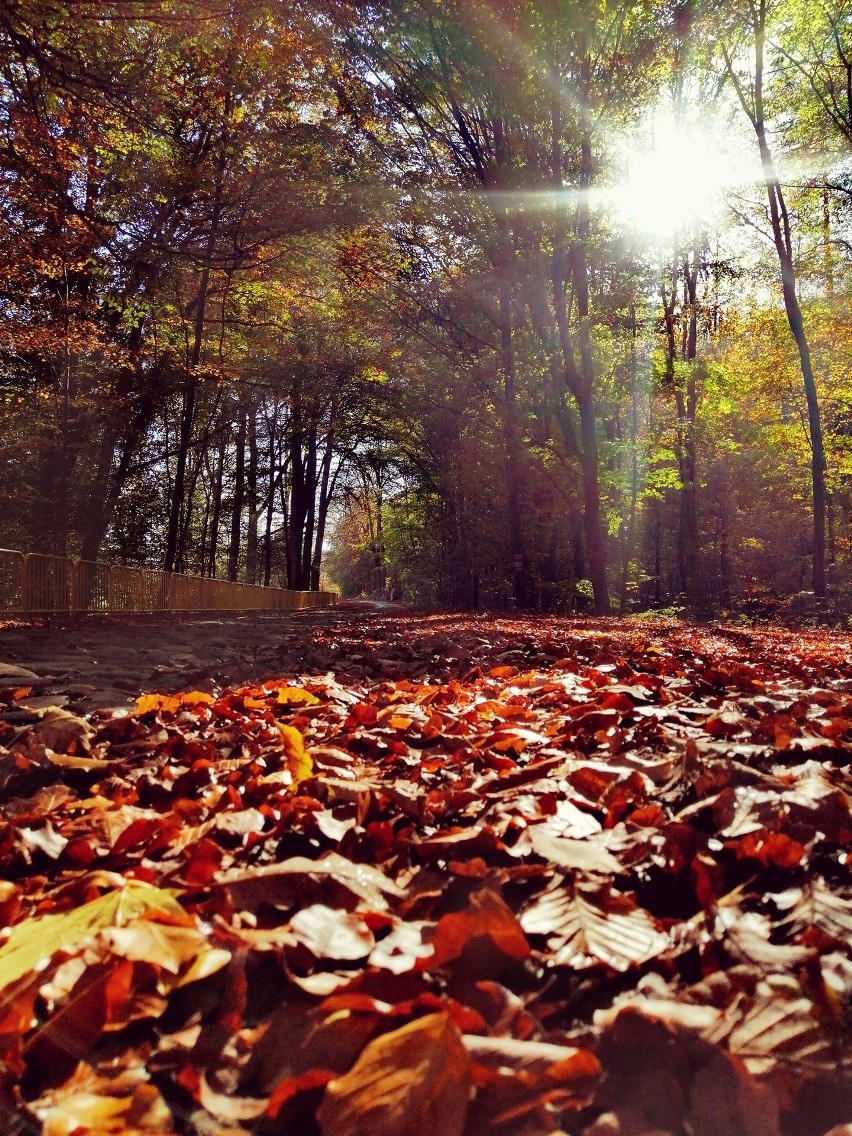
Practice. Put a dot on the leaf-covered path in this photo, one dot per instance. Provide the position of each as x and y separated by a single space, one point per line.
89 662
441 872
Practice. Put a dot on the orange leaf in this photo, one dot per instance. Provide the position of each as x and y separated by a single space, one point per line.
771 848
364 714
172 703
295 696
195 698
485 917
399 722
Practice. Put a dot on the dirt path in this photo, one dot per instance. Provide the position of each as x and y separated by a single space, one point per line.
106 661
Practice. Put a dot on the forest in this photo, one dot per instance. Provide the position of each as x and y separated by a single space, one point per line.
502 304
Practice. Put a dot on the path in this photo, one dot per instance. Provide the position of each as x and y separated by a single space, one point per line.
106 661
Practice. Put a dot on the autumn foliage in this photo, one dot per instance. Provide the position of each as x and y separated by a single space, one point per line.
466 876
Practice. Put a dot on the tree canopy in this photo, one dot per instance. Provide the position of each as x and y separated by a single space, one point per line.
473 302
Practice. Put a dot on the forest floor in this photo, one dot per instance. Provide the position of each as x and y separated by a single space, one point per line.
96 662
366 870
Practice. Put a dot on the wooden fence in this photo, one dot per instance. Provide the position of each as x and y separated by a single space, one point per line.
33 582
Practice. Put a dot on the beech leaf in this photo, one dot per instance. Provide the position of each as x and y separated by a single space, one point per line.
413 1081
486 918
332 934
581 855
586 927
34 941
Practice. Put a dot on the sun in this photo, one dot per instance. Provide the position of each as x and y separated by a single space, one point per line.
676 179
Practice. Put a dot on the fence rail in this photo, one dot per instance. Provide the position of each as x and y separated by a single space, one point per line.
31 582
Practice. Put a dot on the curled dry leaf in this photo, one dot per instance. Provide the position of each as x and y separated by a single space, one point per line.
63 732
250 888
330 933
582 855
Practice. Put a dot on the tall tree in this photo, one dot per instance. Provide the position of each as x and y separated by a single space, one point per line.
749 84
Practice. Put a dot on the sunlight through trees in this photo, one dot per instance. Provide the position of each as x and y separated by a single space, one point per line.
532 304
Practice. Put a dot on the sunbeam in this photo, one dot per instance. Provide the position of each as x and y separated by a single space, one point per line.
677 179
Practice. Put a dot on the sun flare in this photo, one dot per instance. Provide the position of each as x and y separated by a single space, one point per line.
676 179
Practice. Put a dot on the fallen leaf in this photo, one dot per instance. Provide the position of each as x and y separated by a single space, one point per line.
295 696
413 1081
587 926
34 941
251 887
582 855
486 931
329 933
299 762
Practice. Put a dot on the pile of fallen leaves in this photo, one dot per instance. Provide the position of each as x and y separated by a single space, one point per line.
516 878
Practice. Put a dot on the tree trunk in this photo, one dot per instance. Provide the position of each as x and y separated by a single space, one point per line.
235 545
595 543
578 375
190 394
630 534
322 511
274 476
381 570
689 491
310 507
782 240
251 496
298 510
218 478
517 554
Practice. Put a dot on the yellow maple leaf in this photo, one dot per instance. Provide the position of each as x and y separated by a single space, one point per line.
295 696
299 762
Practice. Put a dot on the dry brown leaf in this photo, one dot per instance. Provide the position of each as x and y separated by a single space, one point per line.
330 933
414 1081
249 888
486 921
784 1025
580 855
585 927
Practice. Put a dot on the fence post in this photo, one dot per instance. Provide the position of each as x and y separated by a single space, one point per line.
75 585
27 589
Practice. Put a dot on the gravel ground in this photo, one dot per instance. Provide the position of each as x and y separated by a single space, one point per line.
94 662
